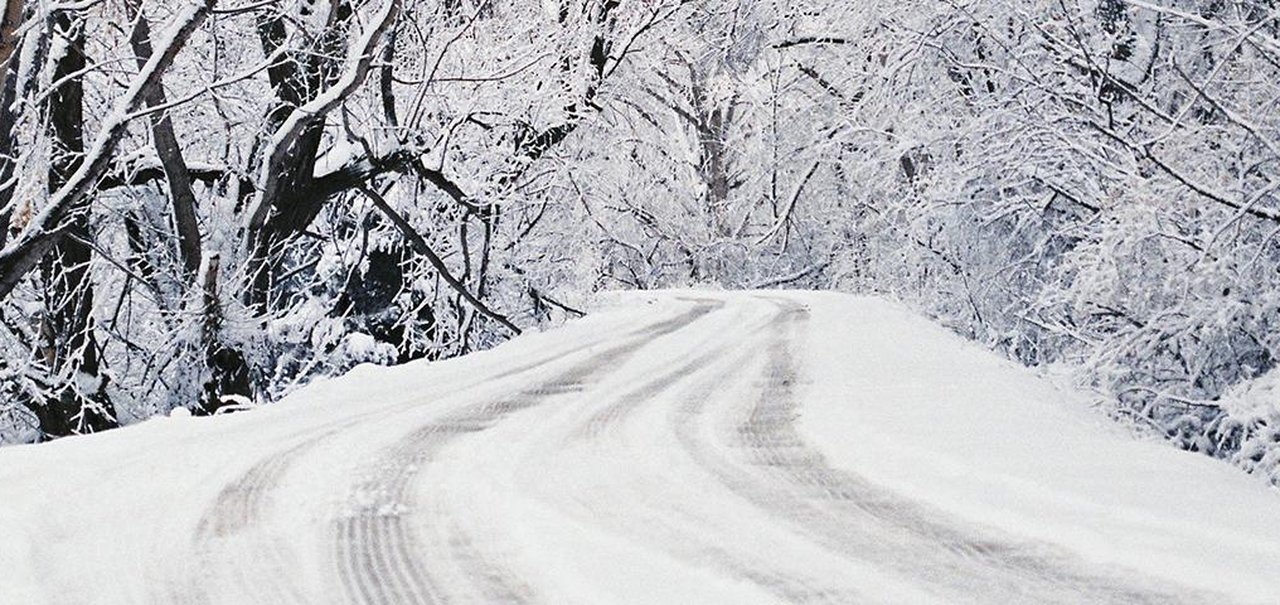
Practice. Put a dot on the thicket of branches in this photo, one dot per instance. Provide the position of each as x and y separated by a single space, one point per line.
211 202
1082 182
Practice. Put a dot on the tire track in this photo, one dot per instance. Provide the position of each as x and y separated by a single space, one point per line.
227 527
381 558
629 400
656 521
228 534
776 471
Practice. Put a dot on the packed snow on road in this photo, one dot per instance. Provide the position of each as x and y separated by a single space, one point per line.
675 447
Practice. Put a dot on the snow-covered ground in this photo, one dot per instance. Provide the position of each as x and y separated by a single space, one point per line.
681 447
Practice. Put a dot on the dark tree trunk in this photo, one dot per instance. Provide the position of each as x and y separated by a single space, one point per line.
51 224
181 195
68 346
10 19
229 372
292 201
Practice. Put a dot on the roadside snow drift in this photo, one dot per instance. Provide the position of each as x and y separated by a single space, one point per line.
681 447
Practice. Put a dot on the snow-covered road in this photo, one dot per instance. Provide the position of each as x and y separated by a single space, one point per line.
679 448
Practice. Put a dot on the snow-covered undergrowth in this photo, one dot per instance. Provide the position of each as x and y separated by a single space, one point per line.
1247 429
1240 425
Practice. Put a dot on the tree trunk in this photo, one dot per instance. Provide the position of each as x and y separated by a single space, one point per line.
228 370
10 19
68 346
181 196
46 228
309 87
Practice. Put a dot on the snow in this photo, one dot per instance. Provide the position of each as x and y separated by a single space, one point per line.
601 463
920 411
1255 398
352 76
112 129
342 153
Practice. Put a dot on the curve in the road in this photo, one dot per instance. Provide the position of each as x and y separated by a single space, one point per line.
742 481
377 538
773 469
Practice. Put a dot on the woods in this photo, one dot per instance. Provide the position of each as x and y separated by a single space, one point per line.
255 195
217 202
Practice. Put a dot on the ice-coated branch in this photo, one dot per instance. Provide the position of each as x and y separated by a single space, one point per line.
282 146
420 244
44 230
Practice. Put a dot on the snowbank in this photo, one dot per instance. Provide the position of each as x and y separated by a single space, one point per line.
919 410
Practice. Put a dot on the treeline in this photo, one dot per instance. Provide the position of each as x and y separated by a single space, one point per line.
210 202
215 202
1088 183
